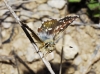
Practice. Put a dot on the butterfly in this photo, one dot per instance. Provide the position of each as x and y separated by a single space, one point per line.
50 29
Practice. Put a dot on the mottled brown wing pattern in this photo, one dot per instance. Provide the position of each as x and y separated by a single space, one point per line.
64 23
48 26
53 27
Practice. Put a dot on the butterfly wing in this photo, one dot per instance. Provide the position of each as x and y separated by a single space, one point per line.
64 23
53 27
46 30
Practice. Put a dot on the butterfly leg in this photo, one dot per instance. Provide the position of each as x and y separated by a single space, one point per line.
48 50
45 51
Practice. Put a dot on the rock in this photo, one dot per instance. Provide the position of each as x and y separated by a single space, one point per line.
90 31
31 54
30 25
26 13
24 17
71 70
9 19
20 53
13 70
5 33
6 25
86 20
3 12
44 7
70 48
55 10
3 52
84 57
40 14
50 56
45 10
77 72
56 3
41 1
77 60
36 25
31 5
96 26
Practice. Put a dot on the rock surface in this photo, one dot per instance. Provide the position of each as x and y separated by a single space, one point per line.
56 3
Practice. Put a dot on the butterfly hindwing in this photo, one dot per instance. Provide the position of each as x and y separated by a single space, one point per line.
48 26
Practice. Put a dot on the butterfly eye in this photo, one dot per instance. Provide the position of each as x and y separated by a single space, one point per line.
50 51
49 28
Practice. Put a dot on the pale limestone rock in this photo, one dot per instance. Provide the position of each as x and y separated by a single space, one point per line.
50 56
26 13
3 12
31 5
40 14
56 3
7 25
77 60
70 48
84 57
34 26
77 72
31 54
41 1
71 70
44 7
24 17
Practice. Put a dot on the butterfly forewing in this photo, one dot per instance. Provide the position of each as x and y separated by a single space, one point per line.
64 23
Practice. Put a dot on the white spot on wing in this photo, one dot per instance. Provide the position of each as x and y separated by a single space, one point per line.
49 28
61 28
64 22
57 27
69 21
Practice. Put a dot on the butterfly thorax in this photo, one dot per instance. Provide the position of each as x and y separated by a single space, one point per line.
48 45
45 36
